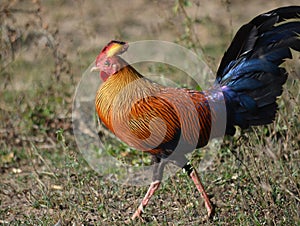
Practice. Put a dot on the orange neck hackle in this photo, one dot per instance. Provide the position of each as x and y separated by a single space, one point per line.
125 86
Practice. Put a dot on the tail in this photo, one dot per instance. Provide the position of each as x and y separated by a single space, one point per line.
249 73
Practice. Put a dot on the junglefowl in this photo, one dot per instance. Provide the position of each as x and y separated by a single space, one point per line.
145 114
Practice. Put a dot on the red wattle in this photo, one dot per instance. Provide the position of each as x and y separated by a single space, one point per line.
103 76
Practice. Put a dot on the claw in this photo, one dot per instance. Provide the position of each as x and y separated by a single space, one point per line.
138 213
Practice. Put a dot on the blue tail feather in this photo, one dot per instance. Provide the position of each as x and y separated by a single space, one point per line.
249 73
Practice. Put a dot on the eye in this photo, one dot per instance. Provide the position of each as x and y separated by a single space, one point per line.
107 63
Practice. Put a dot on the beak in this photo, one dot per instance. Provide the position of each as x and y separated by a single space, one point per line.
95 69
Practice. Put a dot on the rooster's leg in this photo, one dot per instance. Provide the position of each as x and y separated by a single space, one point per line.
196 179
157 177
153 187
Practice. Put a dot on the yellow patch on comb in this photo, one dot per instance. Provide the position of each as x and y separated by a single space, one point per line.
115 48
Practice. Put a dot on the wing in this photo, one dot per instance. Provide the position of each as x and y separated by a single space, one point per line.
169 119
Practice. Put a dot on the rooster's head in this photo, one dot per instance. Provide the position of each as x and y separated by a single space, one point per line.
108 62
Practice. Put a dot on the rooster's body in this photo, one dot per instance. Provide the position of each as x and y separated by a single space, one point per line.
152 101
149 116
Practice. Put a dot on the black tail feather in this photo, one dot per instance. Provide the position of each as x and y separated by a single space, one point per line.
249 72
246 38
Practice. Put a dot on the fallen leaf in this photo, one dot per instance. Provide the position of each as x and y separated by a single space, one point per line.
56 187
7 158
15 170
